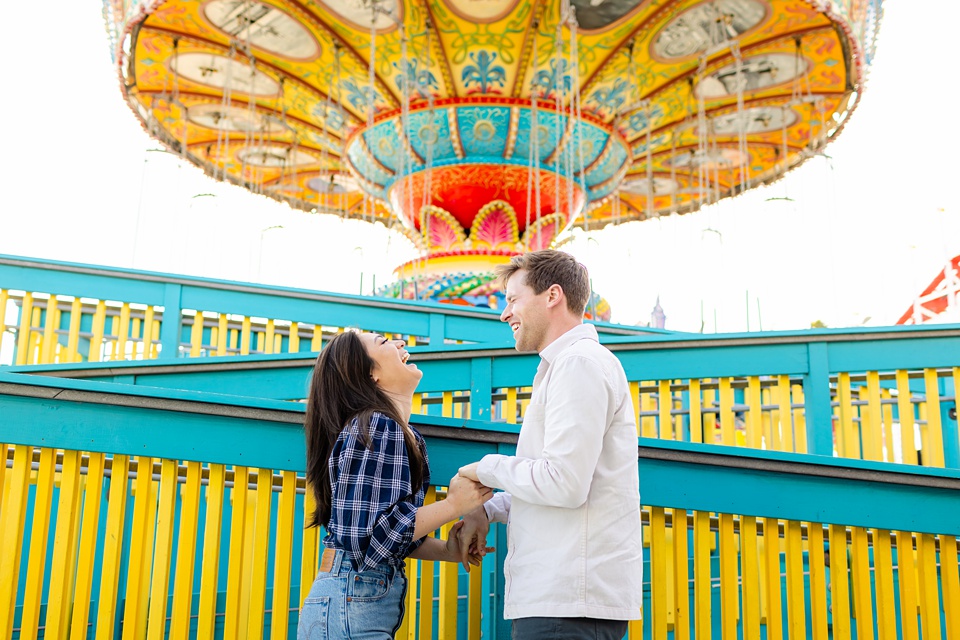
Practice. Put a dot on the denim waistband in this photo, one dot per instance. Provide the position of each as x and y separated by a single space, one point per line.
335 561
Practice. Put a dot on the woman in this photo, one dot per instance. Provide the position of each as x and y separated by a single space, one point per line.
368 470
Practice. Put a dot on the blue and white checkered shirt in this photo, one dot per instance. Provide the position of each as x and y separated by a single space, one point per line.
374 507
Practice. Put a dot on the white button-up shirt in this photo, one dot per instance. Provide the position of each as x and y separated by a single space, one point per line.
571 494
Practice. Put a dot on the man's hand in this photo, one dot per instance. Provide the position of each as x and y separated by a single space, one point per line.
453 551
472 536
470 471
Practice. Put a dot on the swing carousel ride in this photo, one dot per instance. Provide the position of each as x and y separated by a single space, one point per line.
480 129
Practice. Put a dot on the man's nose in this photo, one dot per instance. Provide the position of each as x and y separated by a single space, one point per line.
505 314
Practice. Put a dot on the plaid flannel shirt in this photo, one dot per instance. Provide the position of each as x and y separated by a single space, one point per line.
374 507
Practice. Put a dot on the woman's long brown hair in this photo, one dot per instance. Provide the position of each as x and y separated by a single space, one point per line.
342 388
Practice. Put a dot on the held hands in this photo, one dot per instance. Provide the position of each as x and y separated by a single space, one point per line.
470 471
456 552
471 533
466 494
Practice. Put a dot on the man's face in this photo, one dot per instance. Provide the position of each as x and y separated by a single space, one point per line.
526 312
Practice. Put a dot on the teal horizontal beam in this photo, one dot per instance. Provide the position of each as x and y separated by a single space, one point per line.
810 488
814 355
177 292
187 425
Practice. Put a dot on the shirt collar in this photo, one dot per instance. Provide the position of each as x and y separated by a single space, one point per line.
579 332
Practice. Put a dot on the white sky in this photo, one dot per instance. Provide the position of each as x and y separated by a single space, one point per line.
863 232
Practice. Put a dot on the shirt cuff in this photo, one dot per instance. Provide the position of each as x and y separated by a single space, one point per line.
487 468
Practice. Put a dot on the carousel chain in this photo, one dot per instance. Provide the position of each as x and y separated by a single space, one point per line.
534 150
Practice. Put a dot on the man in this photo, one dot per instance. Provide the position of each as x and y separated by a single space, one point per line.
571 494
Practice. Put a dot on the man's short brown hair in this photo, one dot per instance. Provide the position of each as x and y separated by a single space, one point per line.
549 267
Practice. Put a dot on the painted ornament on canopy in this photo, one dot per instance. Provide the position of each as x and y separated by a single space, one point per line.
481 129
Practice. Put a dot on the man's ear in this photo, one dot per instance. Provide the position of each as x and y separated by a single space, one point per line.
554 295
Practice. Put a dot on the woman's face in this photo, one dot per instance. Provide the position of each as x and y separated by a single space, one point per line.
391 370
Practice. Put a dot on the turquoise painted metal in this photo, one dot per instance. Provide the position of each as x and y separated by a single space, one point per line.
812 356
191 425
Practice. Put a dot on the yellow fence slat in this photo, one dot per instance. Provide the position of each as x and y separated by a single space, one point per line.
123 331
268 338
727 426
819 621
696 415
681 576
907 578
196 335
648 426
447 404
750 577
906 418
883 580
283 560
293 345
848 444
186 552
112 338
862 597
73 333
316 342
950 581
23 331
12 524
658 571
163 551
261 552
210 564
426 582
754 422
510 406
50 324
222 334
796 605
474 602
799 419
112 546
141 547
408 625
309 560
245 336
702 586
886 411
149 348
96 332
39 534
929 594
86 561
771 435
785 413
771 564
665 405
232 625
839 585
447 614
64 548
934 426
729 587
871 428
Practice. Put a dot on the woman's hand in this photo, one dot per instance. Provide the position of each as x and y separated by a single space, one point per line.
469 556
467 494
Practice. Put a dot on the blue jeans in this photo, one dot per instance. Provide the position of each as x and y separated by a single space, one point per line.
343 603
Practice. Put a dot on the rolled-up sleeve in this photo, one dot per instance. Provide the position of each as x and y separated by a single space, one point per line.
373 513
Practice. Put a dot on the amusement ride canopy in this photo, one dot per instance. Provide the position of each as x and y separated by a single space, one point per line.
484 128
